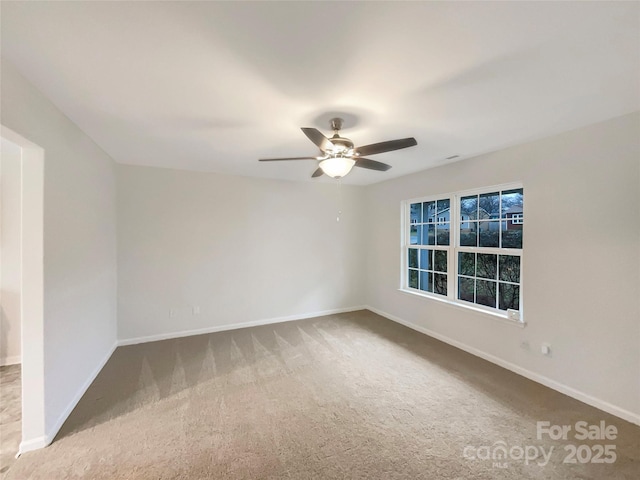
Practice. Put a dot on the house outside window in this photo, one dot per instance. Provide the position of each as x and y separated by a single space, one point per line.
474 260
516 218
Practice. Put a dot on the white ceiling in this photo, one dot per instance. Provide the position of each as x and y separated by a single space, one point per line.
213 86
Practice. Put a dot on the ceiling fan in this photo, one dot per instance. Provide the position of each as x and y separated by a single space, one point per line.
339 156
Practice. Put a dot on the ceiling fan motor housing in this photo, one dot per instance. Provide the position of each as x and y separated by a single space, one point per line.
341 146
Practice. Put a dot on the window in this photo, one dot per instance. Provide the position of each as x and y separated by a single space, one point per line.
466 248
427 252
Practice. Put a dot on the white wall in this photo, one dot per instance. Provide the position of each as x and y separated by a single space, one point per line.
10 267
580 267
241 249
79 244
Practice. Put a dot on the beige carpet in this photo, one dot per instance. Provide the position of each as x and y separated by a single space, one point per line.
10 416
340 397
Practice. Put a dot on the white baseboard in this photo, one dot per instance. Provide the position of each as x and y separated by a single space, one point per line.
233 326
51 434
13 360
33 444
547 382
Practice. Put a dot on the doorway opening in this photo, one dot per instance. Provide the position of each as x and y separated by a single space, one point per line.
21 295
10 308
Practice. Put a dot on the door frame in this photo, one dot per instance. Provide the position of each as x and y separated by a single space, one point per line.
32 291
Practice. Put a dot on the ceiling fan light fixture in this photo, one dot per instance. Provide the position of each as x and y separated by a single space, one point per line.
338 155
337 167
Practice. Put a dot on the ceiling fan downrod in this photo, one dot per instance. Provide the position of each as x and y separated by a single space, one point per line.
336 124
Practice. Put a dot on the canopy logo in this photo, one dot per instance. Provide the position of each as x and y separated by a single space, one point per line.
501 454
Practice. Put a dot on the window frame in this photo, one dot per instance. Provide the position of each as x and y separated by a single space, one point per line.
453 250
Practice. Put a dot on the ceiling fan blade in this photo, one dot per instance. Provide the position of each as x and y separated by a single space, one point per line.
318 138
386 146
371 164
317 173
290 158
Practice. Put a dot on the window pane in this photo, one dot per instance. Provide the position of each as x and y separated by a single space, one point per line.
511 234
489 234
440 260
469 208
443 233
426 281
469 234
426 259
443 208
509 266
511 202
486 293
440 283
416 213
509 296
489 206
487 266
465 288
428 212
413 278
467 264
414 235
429 234
413 258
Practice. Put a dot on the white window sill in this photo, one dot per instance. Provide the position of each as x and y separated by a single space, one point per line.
501 317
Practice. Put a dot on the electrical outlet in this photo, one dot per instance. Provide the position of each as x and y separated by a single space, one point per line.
546 349
196 310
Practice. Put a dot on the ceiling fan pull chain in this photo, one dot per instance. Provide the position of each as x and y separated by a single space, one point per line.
339 199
